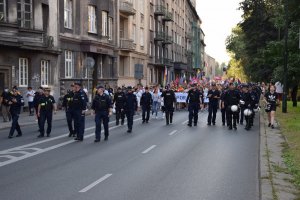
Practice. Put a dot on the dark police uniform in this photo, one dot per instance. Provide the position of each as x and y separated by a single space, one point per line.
46 105
169 100
146 102
36 101
15 101
213 106
130 107
101 104
244 96
232 97
248 103
193 100
223 110
80 105
119 101
68 105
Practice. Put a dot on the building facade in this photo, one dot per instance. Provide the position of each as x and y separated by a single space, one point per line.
210 67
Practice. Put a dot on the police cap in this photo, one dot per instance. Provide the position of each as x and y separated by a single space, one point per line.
129 88
77 83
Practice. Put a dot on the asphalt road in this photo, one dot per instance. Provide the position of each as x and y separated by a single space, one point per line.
155 162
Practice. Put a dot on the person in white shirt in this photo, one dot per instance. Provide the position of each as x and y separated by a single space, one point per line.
30 95
279 90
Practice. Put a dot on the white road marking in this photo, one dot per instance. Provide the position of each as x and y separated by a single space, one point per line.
39 151
149 149
87 188
185 122
172 133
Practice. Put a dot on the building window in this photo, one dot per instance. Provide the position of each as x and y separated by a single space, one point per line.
69 65
23 72
24 13
68 13
92 19
2 10
133 32
150 49
151 22
142 19
44 73
110 28
142 37
104 23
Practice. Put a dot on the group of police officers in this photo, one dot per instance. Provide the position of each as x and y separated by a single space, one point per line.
236 104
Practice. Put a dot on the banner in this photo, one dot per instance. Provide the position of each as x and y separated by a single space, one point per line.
181 97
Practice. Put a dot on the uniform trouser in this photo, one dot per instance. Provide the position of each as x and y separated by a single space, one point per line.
212 113
169 115
15 125
30 107
101 117
119 114
5 113
70 118
193 112
232 117
129 116
242 115
38 118
224 117
79 123
249 119
145 113
45 115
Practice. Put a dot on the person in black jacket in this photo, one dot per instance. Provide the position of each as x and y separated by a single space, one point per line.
103 108
193 100
119 101
214 96
36 100
146 102
5 96
169 101
15 101
68 106
130 107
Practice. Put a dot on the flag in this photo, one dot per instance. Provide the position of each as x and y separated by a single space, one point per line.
165 76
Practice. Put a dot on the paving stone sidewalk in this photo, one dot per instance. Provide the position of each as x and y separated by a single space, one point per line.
275 182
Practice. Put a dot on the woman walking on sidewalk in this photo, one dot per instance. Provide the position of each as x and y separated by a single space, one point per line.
156 102
271 100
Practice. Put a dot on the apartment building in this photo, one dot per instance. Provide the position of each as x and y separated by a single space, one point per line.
29 44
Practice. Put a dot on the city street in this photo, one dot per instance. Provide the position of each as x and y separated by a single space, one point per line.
154 162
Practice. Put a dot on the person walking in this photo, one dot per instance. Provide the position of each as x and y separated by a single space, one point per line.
130 107
223 109
46 108
146 102
15 101
169 101
272 100
36 100
194 99
231 100
119 101
156 102
30 97
5 107
103 108
214 96
69 107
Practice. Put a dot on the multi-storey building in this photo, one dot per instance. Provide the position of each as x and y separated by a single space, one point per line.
210 67
29 44
87 40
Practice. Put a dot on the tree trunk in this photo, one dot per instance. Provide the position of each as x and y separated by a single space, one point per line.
294 95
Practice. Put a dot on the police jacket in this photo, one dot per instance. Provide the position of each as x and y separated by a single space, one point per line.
46 103
169 98
254 96
5 98
248 102
36 99
101 103
222 97
146 99
68 101
193 96
119 99
80 100
212 99
130 102
232 97
15 107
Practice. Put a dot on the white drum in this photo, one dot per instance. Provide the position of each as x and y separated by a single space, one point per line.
247 112
234 108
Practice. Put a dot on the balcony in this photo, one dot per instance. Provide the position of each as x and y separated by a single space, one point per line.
163 61
189 35
189 52
168 16
159 36
168 39
159 10
126 8
127 44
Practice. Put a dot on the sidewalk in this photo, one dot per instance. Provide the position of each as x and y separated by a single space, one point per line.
25 119
276 183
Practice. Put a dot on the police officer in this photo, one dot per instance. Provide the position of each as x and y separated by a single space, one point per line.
146 102
213 96
223 110
36 100
255 96
45 112
130 107
244 97
169 101
15 101
119 100
68 106
103 108
232 98
5 96
194 99
80 105
247 103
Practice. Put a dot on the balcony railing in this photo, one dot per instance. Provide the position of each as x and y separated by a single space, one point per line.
160 36
189 52
189 35
168 39
163 61
126 7
159 10
168 16
127 44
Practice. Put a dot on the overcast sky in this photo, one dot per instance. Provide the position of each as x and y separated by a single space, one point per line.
218 18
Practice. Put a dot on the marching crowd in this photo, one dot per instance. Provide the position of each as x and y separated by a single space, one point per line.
238 103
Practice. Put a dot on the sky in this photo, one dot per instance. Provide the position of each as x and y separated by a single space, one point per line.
218 18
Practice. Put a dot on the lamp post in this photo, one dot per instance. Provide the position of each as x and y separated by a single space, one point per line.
285 61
